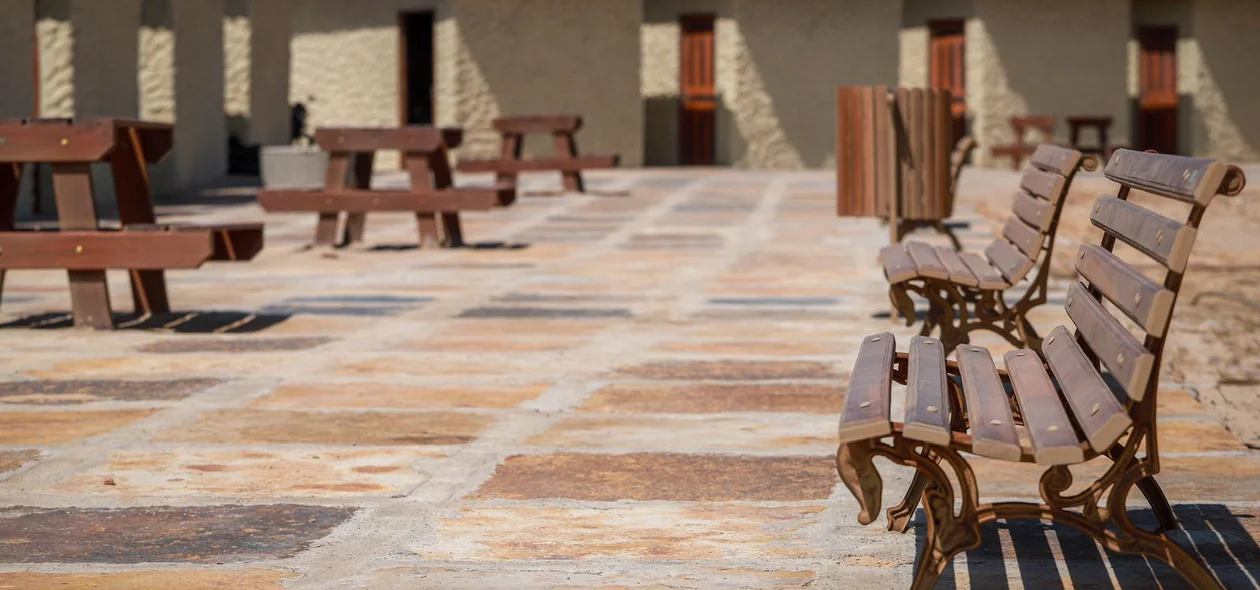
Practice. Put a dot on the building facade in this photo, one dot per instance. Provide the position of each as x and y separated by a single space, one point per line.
747 83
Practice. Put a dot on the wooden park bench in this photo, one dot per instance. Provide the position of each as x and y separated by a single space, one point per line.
79 243
431 197
1019 149
966 290
1063 408
567 161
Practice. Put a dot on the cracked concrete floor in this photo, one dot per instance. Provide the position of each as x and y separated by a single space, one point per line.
634 389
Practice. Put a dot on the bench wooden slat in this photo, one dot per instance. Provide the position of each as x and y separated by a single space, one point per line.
959 272
1156 236
1046 185
924 257
103 250
986 275
898 267
234 242
538 124
538 164
55 141
927 402
1141 298
364 201
1053 437
867 402
1053 158
1195 180
988 408
1034 211
368 139
1100 415
1008 260
1026 238
1129 362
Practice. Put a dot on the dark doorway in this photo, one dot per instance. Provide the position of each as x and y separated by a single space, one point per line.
415 68
947 68
1157 89
698 113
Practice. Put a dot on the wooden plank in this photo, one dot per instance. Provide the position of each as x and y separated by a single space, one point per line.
959 272
867 403
1026 238
924 257
1145 301
927 402
538 124
129 166
1046 185
364 201
335 175
883 158
1129 362
988 409
233 242
1054 440
1157 236
1008 260
100 250
867 166
55 141
846 202
562 164
1038 213
1195 180
944 151
1100 415
76 211
413 138
898 266
1052 158
986 275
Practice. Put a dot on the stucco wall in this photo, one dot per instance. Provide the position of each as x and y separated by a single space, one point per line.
56 54
270 34
790 57
16 43
1227 84
237 35
1011 46
660 39
104 58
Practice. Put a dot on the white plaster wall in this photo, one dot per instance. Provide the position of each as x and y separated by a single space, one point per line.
237 39
56 54
789 58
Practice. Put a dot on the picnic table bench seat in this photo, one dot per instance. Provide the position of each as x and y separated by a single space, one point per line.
509 164
964 289
80 241
1082 394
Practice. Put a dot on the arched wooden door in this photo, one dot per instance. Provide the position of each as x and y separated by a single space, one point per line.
1157 89
697 116
947 68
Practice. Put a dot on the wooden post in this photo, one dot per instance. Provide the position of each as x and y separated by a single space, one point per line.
334 178
566 147
362 180
76 210
135 206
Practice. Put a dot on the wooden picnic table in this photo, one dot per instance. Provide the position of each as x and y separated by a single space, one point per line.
1100 124
1019 149
431 197
79 243
566 161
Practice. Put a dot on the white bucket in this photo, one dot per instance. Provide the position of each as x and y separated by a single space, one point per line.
293 167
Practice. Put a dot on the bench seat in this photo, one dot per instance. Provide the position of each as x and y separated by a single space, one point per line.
540 164
134 246
368 201
912 260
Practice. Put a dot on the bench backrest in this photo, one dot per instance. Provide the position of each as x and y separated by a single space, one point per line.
1028 234
1104 411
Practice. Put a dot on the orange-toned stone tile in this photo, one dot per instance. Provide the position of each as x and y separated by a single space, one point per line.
252 426
181 366
67 392
728 370
560 578
51 428
251 473
653 531
201 579
513 345
547 329
1179 402
1177 436
416 366
1184 478
662 476
748 347
383 395
14 460
712 398
651 433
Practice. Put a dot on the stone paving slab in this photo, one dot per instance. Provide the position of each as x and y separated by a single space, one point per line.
607 391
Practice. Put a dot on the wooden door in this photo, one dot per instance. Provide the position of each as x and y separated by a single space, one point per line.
946 69
415 68
698 111
1157 89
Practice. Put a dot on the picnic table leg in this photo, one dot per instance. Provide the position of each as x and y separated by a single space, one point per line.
135 205
10 180
76 208
355 222
421 176
334 178
566 147
509 151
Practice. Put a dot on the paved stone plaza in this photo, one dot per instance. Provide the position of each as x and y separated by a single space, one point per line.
634 388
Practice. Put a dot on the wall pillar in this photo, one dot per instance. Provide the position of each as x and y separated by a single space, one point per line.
271 28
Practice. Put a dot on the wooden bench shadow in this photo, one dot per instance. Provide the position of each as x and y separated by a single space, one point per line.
1214 532
179 322
488 245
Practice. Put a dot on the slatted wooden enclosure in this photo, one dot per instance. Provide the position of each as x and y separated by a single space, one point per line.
893 150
